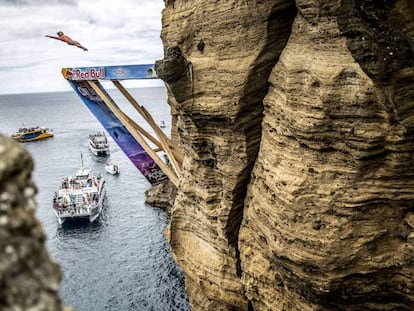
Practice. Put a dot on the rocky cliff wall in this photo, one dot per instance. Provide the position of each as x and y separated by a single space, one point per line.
29 279
217 90
296 120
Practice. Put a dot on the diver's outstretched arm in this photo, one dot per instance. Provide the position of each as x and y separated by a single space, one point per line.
53 37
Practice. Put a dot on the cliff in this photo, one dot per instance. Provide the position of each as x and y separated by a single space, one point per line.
29 279
296 120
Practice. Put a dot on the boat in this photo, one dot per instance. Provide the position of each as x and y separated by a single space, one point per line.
112 169
162 124
80 196
98 144
26 134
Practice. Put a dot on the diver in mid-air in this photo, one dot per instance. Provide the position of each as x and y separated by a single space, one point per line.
67 39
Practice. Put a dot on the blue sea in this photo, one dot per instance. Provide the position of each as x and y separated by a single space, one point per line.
121 262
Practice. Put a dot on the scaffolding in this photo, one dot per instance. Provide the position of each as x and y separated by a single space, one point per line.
132 138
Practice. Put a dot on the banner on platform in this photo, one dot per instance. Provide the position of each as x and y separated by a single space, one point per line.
110 72
120 134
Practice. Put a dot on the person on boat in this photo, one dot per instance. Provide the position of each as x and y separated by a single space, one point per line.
67 39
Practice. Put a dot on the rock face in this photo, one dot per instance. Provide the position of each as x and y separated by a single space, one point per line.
297 122
219 110
29 279
335 228
161 195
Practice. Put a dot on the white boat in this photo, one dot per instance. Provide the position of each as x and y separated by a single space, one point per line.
112 169
80 196
98 144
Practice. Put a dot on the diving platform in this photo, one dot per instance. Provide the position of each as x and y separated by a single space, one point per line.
139 145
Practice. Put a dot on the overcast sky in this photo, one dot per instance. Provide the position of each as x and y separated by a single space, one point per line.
117 32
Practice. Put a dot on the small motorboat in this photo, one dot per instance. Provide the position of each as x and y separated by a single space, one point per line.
26 134
162 124
112 169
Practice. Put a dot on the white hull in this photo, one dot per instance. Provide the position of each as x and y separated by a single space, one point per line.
91 212
112 169
98 144
99 152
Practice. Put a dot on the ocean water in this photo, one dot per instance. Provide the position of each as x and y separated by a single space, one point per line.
121 262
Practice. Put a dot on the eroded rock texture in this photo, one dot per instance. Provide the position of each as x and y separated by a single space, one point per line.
298 195
334 228
161 196
29 279
225 53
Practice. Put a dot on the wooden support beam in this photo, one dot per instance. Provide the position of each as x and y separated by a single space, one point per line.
143 131
125 121
153 139
174 154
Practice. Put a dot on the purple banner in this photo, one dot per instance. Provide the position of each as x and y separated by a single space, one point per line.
120 134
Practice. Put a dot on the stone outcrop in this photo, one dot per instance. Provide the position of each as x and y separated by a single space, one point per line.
161 196
296 119
29 279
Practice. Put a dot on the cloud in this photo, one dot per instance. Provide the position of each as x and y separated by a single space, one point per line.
115 32
39 2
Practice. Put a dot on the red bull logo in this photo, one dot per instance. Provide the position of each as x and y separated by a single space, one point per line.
88 73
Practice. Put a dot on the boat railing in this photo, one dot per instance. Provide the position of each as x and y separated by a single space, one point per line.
73 211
